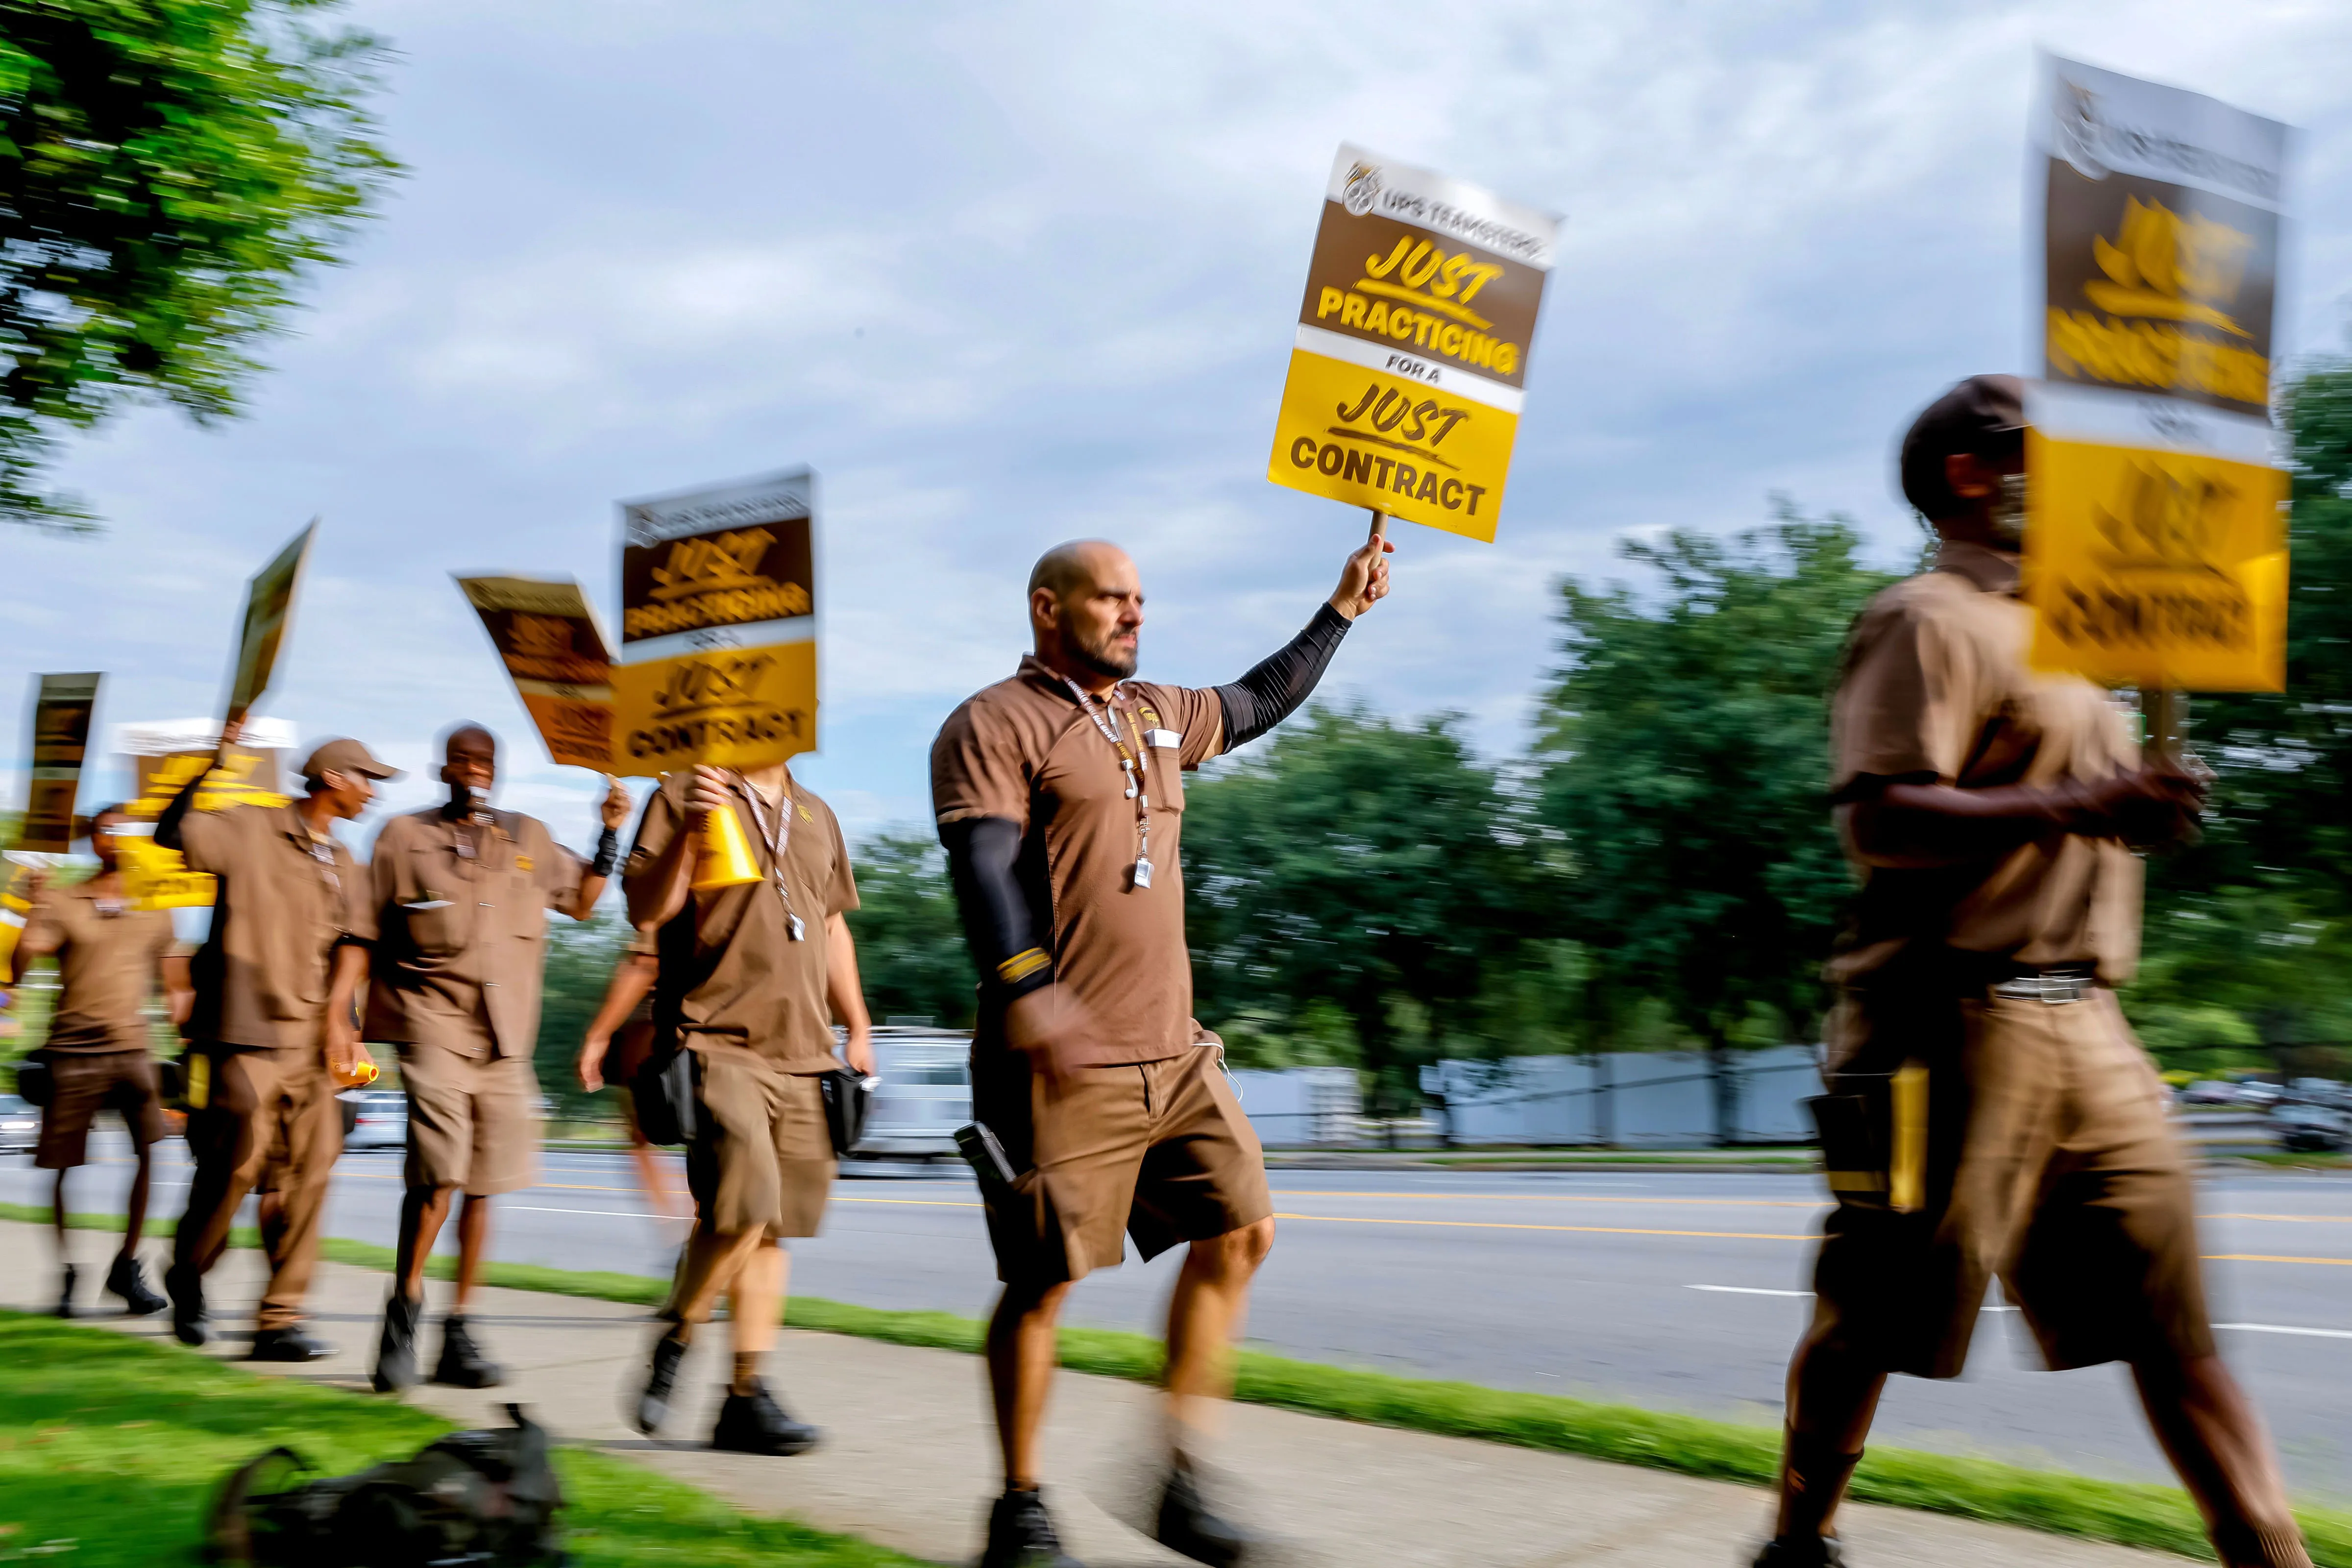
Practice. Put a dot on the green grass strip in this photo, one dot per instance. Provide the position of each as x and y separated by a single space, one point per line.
111 1449
2128 1513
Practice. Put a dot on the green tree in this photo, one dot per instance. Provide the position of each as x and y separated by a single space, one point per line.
1365 864
1683 751
911 955
580 960
169 168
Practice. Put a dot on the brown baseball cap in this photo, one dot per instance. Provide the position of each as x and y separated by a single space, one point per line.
1981 415
340 756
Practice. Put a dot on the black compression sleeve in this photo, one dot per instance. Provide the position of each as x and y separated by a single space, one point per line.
983 853
1273 692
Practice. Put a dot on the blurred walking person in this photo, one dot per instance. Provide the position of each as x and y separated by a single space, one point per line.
616 1043
111 958
461 892
1060 797
749 979
1989 1114
273 1030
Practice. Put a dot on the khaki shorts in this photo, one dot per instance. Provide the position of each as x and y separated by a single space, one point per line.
1157 1150
87 1083
2048 1163
762 1158
473 1121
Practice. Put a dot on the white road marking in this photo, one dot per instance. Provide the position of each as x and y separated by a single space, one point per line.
1748 1291
599 1214
2283 1328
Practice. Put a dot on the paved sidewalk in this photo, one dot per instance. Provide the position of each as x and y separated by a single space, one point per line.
908 1459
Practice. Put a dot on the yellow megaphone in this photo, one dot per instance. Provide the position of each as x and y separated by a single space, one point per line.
722 853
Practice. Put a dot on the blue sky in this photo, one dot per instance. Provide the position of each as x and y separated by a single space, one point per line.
1009 274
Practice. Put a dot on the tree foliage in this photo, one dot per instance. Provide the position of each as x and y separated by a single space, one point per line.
1684 748
169 170
910 948
1368 867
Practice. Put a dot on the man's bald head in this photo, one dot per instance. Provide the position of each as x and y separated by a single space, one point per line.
1075 566
1086 606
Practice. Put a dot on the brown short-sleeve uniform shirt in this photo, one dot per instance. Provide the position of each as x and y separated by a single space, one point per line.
284 902
1935 687
461 923
108 956
731 971
1025 750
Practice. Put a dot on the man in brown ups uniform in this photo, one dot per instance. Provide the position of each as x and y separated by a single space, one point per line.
274 1029
1060 799
746 977
1988 1113
461 894
110 957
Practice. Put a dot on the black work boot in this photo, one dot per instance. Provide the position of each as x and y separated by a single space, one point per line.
462 1363
754 1422
396 1348
293 1343
1021 1534
1188 1528
65 1293
661 1378
127 1280
186 1288
1813 1551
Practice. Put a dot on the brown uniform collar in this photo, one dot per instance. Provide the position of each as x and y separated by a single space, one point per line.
1992 571
1037 671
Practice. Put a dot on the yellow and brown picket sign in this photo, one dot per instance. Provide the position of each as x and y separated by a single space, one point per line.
717 628
546 635
1409 369
2156 551
62 708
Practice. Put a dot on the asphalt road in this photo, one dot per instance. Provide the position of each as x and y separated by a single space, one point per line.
1673 1290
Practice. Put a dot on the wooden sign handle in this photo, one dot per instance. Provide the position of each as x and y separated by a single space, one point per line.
1379 523
2164 714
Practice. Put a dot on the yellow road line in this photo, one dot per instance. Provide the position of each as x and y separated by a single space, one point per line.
1583 1229
2266 1257
1565 1198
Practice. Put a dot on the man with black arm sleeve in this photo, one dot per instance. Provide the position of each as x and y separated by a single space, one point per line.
1060 798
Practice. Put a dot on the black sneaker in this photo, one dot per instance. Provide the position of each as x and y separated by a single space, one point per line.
186 1290
65 1294
754 1422
661 1378
293 1345
128 1280
462 1363
396 1347
1189 1528
1820 1551
1021 1534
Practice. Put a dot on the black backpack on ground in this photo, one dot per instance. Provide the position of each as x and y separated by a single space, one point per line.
487 1499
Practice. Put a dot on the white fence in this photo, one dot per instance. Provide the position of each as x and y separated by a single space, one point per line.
1632 1100
1303 1108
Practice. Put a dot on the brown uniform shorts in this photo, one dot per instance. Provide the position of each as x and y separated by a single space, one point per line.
473 1121
87 1083
762 1158
2047 1163
1157 1150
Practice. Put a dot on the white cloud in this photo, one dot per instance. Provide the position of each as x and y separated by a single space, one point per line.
1011 275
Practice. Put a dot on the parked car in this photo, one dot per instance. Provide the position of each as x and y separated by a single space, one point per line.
2258 1093
20 1124
378 1118
2209 1091
925 1092
2304 1128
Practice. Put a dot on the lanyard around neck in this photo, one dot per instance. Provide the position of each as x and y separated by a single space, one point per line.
1106 721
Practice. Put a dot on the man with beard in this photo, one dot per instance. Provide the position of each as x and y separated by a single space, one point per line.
1060 798
273 1030
461 894
1989 1112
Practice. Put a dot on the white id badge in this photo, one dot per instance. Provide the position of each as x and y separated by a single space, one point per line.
1168 738
1143 873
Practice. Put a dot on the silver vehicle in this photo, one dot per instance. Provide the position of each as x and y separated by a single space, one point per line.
2306 1128
925 1093
20 1125
381 1119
